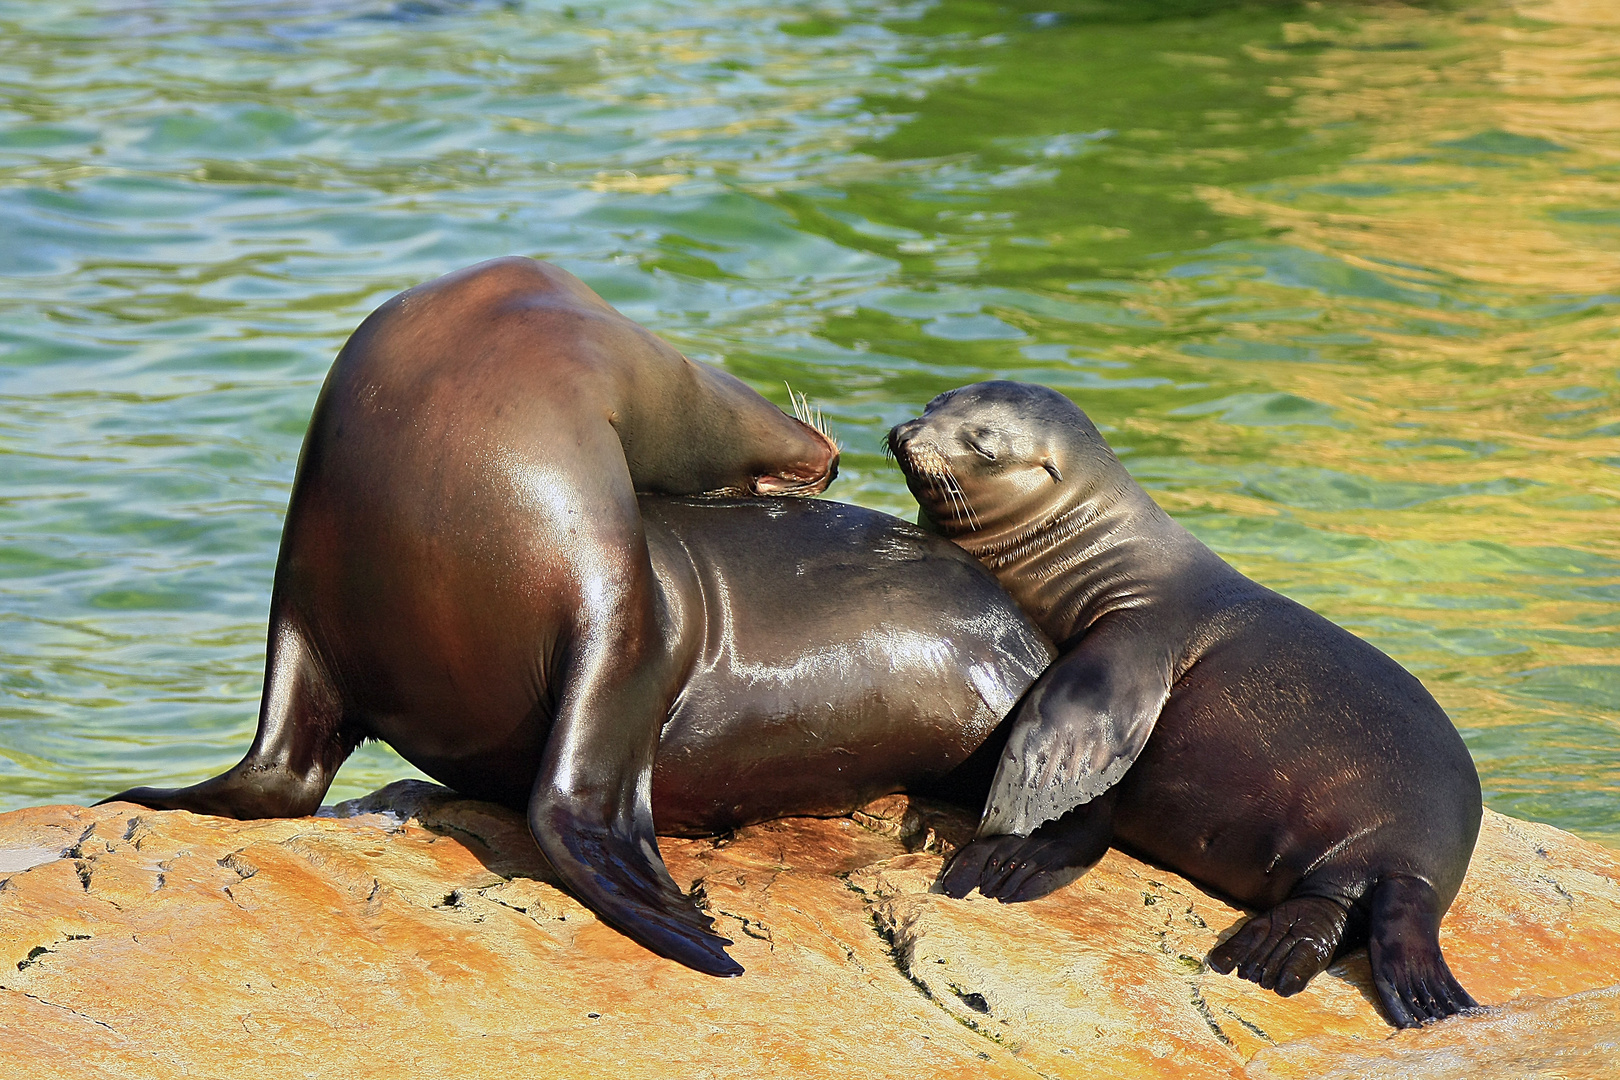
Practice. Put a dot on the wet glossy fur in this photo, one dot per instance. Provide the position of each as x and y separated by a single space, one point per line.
1195 717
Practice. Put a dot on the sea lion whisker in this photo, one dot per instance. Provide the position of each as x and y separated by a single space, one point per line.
811 417
953 494
938 485
967 504
821 426
942 483
955 487
954 490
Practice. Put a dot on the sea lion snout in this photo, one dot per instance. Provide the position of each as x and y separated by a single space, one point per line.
931 442
902 437
983 453
903 432
917 453
810 476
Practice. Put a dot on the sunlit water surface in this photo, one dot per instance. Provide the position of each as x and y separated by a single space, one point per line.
1341 283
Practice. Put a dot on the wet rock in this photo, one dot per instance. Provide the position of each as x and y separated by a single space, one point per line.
413 929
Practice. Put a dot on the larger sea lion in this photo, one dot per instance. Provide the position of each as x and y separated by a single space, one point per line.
1292 767
463 566
811 656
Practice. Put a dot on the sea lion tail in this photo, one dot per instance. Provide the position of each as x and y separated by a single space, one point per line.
1409 972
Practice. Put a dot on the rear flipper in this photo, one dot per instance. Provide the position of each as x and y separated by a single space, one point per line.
1286 947
1403 944
1014 868
299 746
244 793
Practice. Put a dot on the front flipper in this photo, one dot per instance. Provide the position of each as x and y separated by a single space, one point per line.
614 869
1013 868
1081 725
1074 735
591 807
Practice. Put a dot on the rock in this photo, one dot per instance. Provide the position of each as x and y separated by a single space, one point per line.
1562 1038
415 931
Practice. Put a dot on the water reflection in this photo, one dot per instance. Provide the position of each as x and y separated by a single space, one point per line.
1338 280
1398 345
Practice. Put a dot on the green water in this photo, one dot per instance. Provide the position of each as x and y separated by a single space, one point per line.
1341 283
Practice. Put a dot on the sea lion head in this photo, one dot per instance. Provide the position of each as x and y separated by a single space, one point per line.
712 434
517 331
761 450
804 462
998 456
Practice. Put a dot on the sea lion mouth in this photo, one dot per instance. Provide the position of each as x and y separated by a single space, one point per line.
931 478
792 484
809 479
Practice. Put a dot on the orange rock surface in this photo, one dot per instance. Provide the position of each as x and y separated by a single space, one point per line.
414 933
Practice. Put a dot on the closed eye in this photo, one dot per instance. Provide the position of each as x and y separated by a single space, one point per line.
979 448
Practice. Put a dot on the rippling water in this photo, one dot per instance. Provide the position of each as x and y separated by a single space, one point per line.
1340 282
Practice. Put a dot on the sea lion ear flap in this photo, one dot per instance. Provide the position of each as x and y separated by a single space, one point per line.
1051 466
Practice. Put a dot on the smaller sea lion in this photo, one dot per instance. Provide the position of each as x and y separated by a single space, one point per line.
1292 767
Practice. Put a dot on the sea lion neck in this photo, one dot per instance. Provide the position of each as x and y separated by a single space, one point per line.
1081 557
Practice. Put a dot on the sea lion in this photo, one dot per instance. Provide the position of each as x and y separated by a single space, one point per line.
464 565
1292 767
809 657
